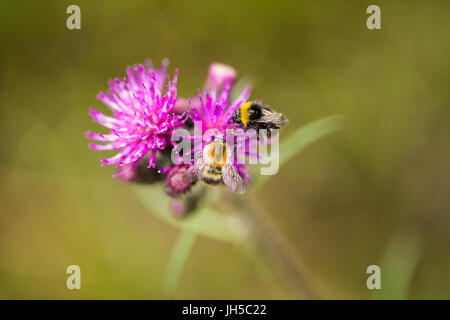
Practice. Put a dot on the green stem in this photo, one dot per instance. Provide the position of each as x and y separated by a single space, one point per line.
277 251
178 258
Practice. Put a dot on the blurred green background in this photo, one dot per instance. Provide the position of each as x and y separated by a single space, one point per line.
376 192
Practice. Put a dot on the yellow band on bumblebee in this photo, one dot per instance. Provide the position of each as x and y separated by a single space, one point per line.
244 113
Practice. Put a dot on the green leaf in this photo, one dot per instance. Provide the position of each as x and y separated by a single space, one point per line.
303 137
178 258
206 221
398 265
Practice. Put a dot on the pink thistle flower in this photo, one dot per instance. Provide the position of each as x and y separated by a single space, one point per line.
212 114
218 75
143 116
213 109
176 182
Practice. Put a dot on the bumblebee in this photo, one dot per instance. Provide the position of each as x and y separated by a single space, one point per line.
258 116
212 168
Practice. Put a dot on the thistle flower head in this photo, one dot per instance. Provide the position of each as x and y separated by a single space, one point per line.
214 110
143 117
176 182
218 75
212 114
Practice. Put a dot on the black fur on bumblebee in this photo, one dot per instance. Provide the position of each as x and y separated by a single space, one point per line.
259 116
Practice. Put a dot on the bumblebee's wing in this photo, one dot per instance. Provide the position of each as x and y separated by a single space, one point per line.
272 117
192 172
233 179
